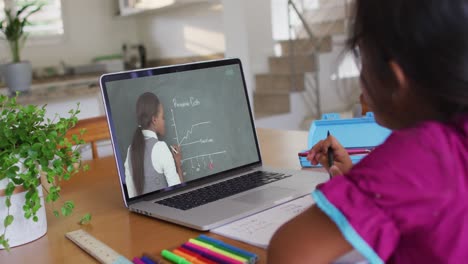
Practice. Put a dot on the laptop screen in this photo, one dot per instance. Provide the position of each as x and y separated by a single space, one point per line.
174 125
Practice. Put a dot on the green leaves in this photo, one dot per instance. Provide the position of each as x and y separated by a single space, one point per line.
4 242
9 189
32 203
8 220
54 194
12 172
85 219
67 208
30 144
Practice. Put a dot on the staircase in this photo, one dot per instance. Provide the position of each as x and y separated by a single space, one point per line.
297 69
273 89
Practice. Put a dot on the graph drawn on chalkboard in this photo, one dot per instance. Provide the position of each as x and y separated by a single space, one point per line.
195 163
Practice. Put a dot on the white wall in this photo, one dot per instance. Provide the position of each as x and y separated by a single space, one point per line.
240 28
91 29
191 30
248 31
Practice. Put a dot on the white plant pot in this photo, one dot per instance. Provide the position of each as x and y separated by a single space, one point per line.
22 230
18 76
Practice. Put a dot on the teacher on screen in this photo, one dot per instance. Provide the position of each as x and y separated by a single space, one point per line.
151 165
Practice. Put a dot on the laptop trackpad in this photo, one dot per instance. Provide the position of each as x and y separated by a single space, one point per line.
265 195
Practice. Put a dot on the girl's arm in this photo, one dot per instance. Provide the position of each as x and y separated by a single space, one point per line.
318 154
162 157
129 177
311 237
177 154
179 171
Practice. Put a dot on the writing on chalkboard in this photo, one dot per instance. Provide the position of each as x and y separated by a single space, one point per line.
184 140
188 133
189 102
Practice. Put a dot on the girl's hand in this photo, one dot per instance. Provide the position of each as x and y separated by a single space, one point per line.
341 160
177 154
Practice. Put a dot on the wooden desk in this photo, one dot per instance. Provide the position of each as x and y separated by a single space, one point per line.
97 191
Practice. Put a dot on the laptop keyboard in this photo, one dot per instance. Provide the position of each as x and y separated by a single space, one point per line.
221 190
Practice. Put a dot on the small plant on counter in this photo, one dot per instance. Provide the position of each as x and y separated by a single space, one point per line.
13 27
17 74
31 145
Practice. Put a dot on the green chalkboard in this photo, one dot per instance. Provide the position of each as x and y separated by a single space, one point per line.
206 113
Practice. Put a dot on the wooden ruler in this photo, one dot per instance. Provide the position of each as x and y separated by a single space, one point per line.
100 251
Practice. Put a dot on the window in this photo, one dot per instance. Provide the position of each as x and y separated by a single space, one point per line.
46 22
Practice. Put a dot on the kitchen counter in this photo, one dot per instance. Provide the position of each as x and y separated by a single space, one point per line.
60 94
58 89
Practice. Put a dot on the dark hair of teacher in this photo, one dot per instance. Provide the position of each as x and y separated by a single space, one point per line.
147 107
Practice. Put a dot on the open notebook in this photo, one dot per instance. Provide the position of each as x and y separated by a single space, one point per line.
258 229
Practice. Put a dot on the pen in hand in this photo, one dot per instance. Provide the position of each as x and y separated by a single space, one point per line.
350 151
329 155
173 149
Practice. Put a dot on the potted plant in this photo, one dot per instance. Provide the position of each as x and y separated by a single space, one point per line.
18 74
31 144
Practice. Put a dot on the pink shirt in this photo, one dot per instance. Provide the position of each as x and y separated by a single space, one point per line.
407 201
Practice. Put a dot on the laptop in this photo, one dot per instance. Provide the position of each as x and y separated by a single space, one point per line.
207 116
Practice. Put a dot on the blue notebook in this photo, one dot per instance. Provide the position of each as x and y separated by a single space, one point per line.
361 132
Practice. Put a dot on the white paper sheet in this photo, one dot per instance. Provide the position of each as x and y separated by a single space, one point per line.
258 229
